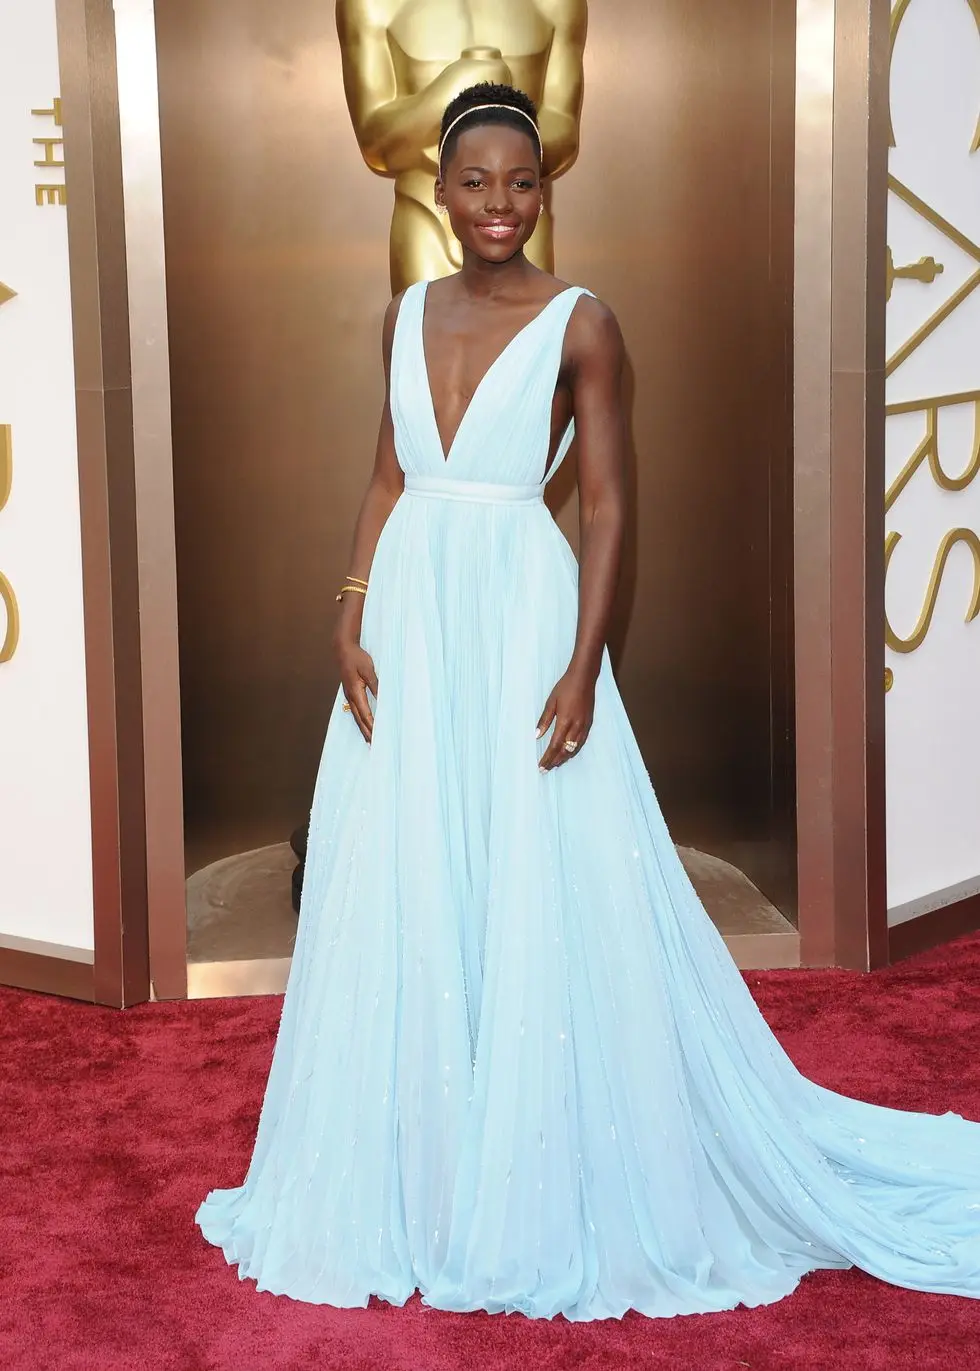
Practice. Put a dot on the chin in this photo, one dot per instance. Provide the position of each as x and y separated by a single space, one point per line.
500 257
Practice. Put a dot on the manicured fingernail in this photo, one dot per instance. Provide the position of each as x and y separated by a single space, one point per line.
538 732
542 769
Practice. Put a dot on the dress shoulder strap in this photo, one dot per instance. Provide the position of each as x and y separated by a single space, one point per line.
559 313
564 304
406 323
566 301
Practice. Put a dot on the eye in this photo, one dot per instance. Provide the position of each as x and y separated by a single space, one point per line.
472 183
524 185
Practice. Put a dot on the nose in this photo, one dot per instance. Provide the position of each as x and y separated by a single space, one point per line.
498 198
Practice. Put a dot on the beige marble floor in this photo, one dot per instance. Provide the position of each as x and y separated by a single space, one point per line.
239 908
757 934
239 911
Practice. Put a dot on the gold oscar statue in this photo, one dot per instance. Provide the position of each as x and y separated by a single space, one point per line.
404 60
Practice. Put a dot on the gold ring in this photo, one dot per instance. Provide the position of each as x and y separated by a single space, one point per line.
569 745
346 707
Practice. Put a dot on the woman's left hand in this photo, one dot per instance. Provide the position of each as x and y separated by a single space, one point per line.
570 707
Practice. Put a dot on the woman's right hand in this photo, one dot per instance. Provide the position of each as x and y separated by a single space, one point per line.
357 677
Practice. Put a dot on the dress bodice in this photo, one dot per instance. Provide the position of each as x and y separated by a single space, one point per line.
504 435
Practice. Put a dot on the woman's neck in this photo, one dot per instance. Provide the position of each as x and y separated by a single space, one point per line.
482 279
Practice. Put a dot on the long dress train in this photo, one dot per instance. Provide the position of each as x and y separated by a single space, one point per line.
517 1068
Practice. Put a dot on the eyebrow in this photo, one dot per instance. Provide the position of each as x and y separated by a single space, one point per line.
486 170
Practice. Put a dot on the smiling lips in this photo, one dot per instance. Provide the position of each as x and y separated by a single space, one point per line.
498 229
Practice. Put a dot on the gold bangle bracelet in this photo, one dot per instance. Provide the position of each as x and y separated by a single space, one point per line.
361 590
358 580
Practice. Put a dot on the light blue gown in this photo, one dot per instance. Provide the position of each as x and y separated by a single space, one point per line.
517 1068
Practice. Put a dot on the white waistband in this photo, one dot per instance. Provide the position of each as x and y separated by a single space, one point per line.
480 492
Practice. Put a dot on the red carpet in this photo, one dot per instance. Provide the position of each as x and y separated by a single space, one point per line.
116 1123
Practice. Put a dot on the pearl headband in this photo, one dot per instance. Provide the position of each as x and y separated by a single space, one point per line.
473 110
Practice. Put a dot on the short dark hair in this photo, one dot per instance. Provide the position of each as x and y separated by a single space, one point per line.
516 108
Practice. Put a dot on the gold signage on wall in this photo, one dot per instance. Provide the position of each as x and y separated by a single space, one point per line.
49 145
6 464
954 234
928 451
926 270
949 541
53 113
898 14
50 193
12 636
7 597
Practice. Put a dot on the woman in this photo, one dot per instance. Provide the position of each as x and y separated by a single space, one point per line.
517 1068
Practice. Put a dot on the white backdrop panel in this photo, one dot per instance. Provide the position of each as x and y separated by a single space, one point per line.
45 814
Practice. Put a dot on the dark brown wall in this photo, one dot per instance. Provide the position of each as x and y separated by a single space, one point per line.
678 213
277 282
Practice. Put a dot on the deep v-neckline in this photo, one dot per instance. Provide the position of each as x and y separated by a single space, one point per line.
447 453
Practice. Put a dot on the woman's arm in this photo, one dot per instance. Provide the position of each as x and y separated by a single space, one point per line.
387 482
594 351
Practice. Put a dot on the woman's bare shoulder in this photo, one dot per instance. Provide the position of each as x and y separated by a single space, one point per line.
390 319
392 308
593 331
